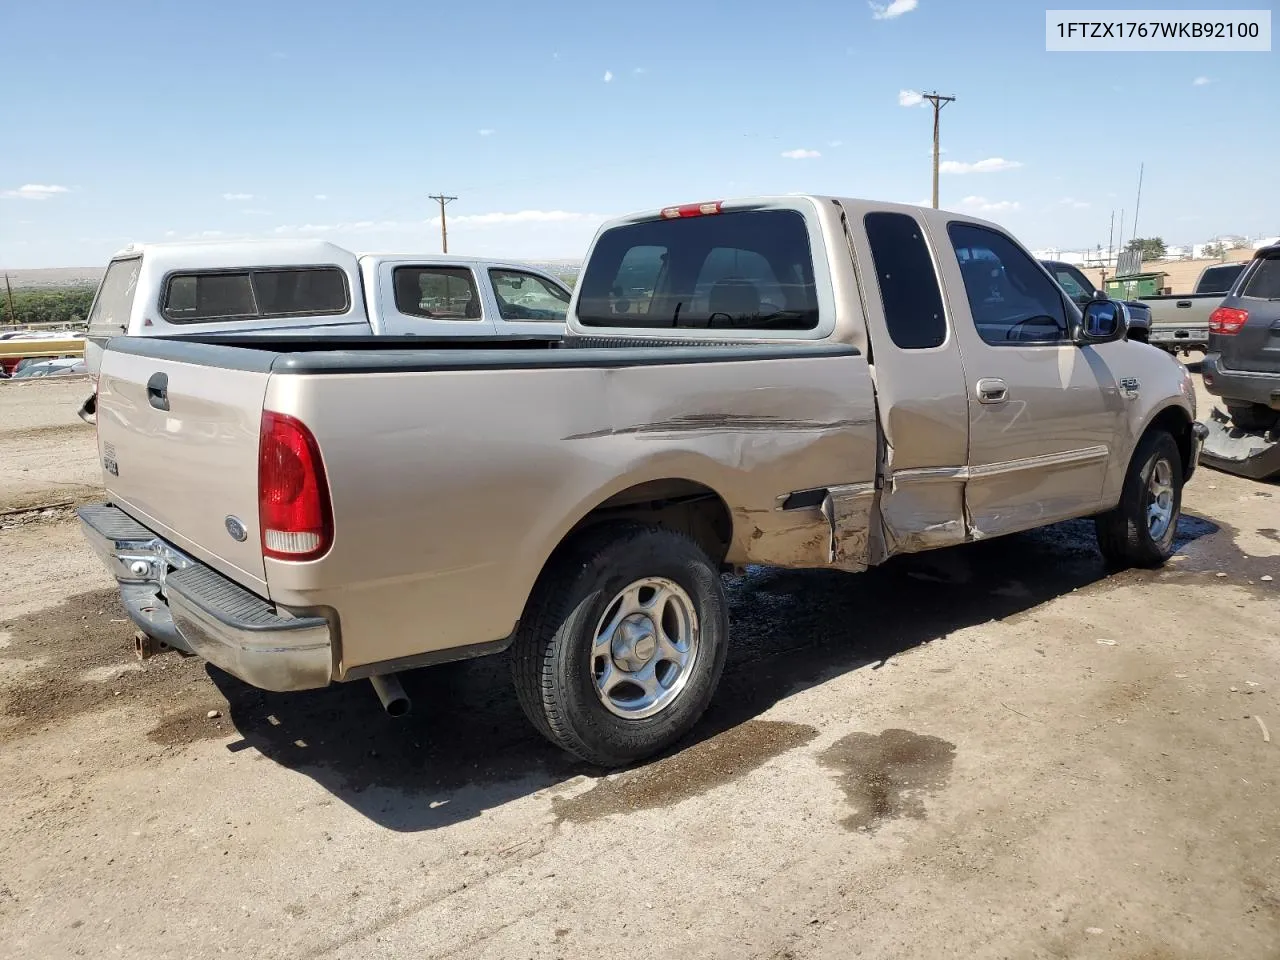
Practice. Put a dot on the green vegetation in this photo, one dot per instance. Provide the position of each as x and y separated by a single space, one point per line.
1215 250
62 305
1152 247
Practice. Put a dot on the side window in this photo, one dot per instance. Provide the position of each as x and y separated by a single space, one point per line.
1264 282
1067 280
1012 300
209 296
440 293
908 281
524 296
249 294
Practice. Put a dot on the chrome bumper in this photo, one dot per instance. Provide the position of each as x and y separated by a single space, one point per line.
192 607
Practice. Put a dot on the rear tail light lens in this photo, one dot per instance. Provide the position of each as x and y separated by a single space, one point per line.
293 496
1227 321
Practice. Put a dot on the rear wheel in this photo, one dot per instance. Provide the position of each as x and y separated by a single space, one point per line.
1252 416
622 644
1139 532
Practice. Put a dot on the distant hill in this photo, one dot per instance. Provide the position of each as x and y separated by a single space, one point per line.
54 277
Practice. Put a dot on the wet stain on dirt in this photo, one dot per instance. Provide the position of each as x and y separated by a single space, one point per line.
64 650
689 773
886 776
1271 533
189 724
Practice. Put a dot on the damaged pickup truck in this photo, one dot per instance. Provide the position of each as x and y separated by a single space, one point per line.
796 381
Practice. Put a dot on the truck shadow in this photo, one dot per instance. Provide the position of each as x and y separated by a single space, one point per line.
467 747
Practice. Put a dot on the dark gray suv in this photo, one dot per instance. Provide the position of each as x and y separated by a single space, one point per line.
1242 365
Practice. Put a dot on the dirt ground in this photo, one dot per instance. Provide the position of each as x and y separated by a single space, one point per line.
993 751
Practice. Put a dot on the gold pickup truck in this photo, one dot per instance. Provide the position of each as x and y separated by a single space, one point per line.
793 381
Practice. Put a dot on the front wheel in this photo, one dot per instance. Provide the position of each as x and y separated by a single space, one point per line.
622 644
1139 532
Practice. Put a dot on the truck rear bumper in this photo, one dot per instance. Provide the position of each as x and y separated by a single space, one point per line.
1240 385
1173 336
190 606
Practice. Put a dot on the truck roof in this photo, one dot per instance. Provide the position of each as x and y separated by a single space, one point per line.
214 254
237 253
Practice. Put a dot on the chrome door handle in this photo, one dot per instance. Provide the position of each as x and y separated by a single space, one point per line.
992 390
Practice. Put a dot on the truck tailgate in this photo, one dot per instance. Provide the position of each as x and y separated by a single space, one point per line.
179 449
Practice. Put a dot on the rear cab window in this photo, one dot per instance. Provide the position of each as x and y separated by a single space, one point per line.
112 307
206 296
750 271
1219 279
907 279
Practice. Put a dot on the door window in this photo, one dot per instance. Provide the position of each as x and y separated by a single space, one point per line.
525 296
1012 300
438 293
908 282
1074 282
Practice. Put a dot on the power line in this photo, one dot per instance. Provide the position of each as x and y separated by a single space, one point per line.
441 199
939 101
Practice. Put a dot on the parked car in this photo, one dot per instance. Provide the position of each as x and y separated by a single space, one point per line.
1081 289
1242 365
58 366
316 289
1180 321
300 515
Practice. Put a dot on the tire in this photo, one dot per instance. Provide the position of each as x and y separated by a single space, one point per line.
1252 416
557 664
1127 535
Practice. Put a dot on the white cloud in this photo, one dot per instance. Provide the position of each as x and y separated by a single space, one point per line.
486 131
835 143
801 154
990 165
34 191
882 11
983 205
608 76
909 98
640 71
237 196
1073 203
322 196
256 212
1201 81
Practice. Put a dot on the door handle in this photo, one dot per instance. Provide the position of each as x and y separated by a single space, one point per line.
992 390
158 391
1183 303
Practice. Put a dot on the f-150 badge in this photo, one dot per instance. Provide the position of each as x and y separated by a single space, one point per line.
1130 387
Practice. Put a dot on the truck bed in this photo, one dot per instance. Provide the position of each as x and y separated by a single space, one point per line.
454 469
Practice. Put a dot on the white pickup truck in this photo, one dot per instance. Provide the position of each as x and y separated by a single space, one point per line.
792 381
316 289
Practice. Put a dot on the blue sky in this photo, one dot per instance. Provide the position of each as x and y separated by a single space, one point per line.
158 120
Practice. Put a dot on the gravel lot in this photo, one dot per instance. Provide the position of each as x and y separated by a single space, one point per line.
993 751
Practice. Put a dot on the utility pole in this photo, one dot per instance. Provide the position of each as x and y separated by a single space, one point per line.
13 316
939 101
441 199
1138 203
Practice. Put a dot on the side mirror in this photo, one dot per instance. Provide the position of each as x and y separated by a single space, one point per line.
1104 321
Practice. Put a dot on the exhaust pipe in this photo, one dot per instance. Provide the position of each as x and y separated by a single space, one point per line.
394 700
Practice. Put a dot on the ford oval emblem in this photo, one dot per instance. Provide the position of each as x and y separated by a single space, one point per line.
236 528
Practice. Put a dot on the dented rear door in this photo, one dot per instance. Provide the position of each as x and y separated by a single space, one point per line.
919 379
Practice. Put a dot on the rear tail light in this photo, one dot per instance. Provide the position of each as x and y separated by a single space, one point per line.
1227 321
692 210
293 495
